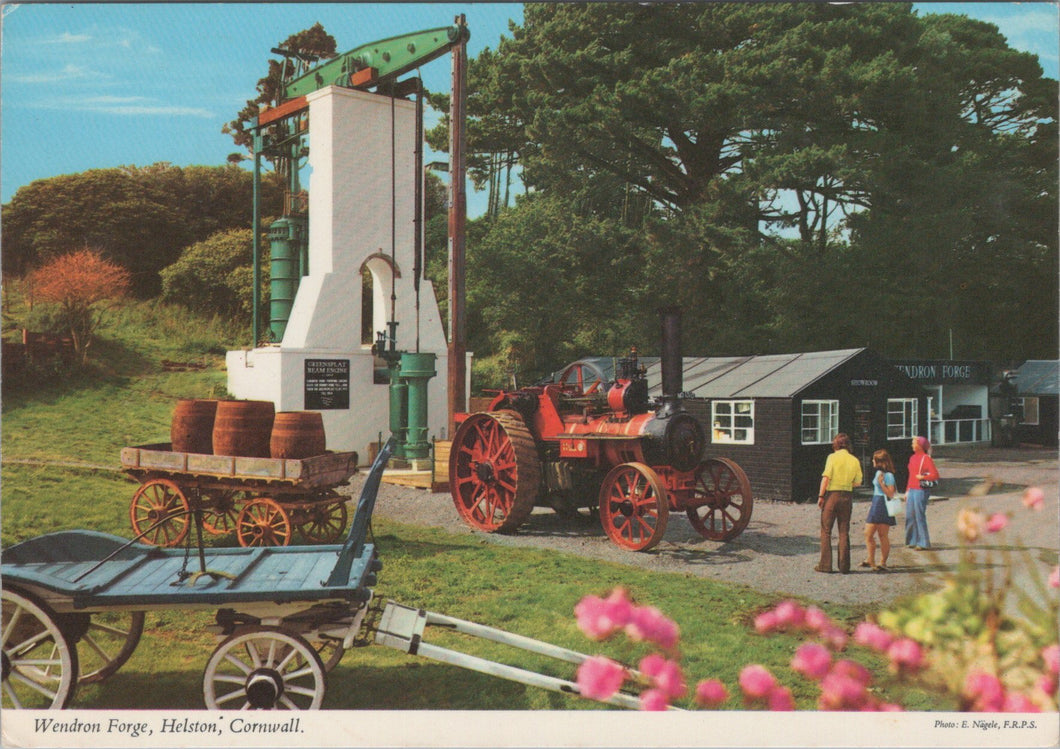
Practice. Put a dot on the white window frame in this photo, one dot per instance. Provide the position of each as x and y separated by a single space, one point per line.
822 410
902 418
726 430
1024 413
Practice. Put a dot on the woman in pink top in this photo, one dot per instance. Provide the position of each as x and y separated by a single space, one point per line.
921 467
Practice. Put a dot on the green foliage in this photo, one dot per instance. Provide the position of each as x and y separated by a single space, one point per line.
215 275
796 176
139 217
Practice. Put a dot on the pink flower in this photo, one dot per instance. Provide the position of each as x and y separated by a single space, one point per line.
840 692
756 681
780 700
599 618
653 700
1054 577
873 636
906 655
790 614
852 670
1018 703
816 620
711 693
835 637
970 524
1051 656
648 623
599 678
1034 498
996 522
812 661
766 622
666 675
984 692
889 707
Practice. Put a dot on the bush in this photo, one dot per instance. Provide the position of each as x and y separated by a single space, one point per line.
214 276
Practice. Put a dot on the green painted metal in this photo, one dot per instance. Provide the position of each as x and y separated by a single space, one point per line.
416 370
287 237
390 58
399 409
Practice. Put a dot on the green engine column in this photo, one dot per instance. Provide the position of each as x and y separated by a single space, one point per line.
416 370
399 409
287 237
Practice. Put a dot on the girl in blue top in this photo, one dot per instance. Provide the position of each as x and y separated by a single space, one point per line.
879 522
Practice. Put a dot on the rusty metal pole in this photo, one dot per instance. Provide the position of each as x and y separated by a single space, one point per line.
457 369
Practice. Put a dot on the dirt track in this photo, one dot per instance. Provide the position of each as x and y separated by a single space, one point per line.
779 548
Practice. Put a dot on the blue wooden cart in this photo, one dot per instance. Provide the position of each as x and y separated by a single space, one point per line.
74 605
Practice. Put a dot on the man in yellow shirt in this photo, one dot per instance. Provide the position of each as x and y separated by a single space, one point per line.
842 472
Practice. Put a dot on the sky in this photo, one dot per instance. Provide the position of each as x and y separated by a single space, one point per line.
98 85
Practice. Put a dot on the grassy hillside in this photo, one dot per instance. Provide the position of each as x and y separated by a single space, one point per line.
61 443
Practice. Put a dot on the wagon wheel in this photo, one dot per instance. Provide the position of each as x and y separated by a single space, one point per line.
323 522
585 374
39 665
722 496
159 513
330 651
633 506
262 522
105 641
222 513
264 668
494 471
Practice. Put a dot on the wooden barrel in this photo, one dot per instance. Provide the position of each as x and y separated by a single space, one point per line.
191 430
242 428
297 435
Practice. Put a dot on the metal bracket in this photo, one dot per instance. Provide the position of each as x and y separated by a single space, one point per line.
404 628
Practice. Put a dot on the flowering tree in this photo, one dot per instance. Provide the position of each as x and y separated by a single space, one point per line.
963 636
80 284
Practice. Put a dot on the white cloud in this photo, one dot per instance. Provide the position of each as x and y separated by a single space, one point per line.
67 38
130 106
69 72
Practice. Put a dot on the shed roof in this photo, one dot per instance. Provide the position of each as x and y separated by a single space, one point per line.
761 376
1038 377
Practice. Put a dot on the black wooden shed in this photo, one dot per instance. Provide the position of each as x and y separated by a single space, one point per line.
776 415
1038 393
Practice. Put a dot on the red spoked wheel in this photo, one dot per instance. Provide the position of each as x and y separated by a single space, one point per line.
221 512
159 513
262 522
323 522
722 500
633 506
494 471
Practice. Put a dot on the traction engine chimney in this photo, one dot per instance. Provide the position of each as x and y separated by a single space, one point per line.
672 364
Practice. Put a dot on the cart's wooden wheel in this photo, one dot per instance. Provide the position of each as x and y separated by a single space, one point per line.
323 523
633 506
105 641
330 651
39 665
222 513
262 522
722 499
264 668
159 513
494 471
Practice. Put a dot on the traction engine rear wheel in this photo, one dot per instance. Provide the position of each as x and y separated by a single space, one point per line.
494 471
723 499
633 506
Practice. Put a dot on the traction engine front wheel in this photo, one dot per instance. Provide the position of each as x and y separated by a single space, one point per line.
633 506
722 500
494 471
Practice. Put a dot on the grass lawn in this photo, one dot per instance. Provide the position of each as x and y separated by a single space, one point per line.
127 398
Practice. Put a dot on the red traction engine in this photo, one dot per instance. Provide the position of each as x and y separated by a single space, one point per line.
578 446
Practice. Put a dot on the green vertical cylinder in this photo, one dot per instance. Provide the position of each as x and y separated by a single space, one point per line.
286 241
399 414
416 370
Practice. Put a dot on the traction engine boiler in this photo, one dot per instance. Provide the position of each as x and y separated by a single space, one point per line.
581 445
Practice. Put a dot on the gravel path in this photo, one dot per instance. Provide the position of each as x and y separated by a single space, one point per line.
779 548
